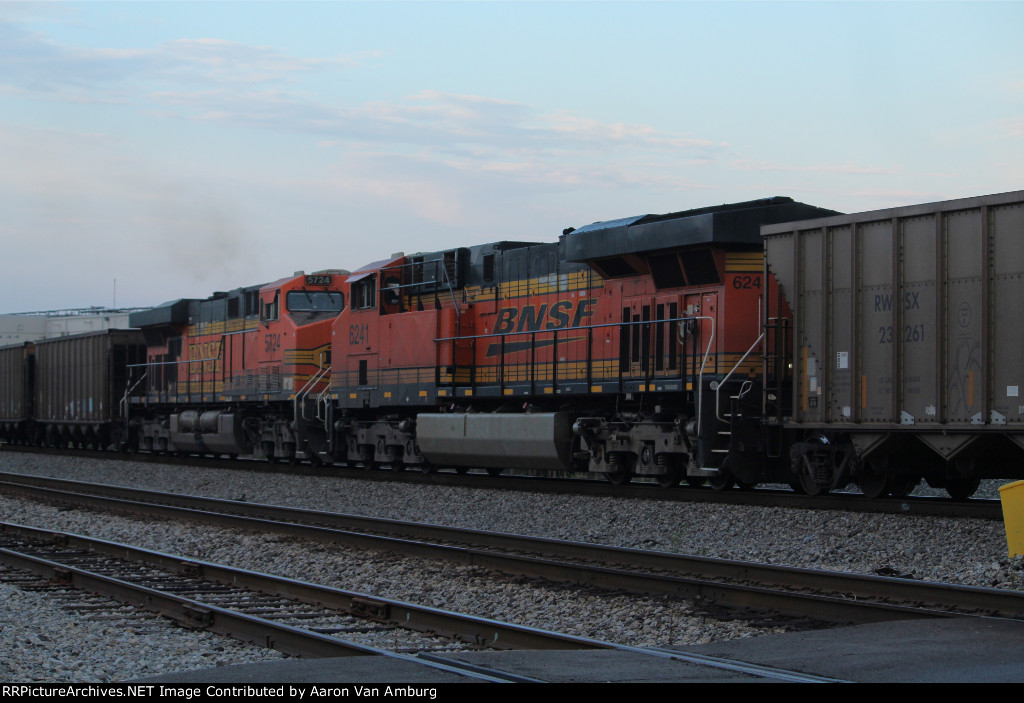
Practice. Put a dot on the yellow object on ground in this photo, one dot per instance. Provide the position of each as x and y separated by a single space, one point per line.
1012 497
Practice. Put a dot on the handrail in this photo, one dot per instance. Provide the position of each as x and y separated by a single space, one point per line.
564 329
123 405
718 384
307 387
703 364
322 399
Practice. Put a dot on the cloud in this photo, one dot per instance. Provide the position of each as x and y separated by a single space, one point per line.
226 83
1012 127
31 63
845 169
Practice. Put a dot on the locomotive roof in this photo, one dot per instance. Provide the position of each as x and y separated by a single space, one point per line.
169 313
734 223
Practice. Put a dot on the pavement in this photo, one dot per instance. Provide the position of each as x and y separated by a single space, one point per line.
962 650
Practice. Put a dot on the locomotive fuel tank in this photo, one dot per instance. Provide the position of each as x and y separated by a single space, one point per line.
539 441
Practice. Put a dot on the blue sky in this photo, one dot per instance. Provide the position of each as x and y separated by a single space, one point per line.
186 147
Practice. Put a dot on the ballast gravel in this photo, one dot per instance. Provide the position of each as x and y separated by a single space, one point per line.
42 642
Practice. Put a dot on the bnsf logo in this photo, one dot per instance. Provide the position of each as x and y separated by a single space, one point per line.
558 316
206 352
203 350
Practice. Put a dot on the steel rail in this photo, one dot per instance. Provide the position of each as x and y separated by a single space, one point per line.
857 602
473 630
982 509
194 613
969 599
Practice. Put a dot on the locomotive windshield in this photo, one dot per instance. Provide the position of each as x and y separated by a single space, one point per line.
307 306
316 301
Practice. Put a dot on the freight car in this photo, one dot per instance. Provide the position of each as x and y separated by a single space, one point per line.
68 390
905 343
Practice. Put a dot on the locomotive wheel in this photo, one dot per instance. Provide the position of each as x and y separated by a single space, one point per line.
462 470
494 471
670 478
961 488
696 481
874 485
902 486
367 458
619 477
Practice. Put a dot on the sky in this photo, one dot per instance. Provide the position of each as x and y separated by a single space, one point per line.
160 150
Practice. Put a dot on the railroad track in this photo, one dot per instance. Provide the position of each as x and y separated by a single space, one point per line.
294 617
983 509
827 596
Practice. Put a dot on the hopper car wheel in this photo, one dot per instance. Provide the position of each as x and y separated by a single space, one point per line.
670 478
462 470
874 485
810 486
696 481
961 488
902 486
427 468
722 481
494 471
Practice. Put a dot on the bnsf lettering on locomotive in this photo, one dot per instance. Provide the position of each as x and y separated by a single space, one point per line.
203 350
531 318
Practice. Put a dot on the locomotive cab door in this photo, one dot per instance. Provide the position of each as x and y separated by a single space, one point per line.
699 332
363 328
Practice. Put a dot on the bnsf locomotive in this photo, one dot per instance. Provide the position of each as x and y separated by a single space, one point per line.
766 341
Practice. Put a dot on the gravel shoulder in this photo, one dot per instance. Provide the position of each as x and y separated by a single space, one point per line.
941 549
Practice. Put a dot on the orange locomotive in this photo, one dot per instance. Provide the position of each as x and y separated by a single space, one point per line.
629 347
221 374
621 349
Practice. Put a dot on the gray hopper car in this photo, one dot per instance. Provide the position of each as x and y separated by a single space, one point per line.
906 347
16 398
79 382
